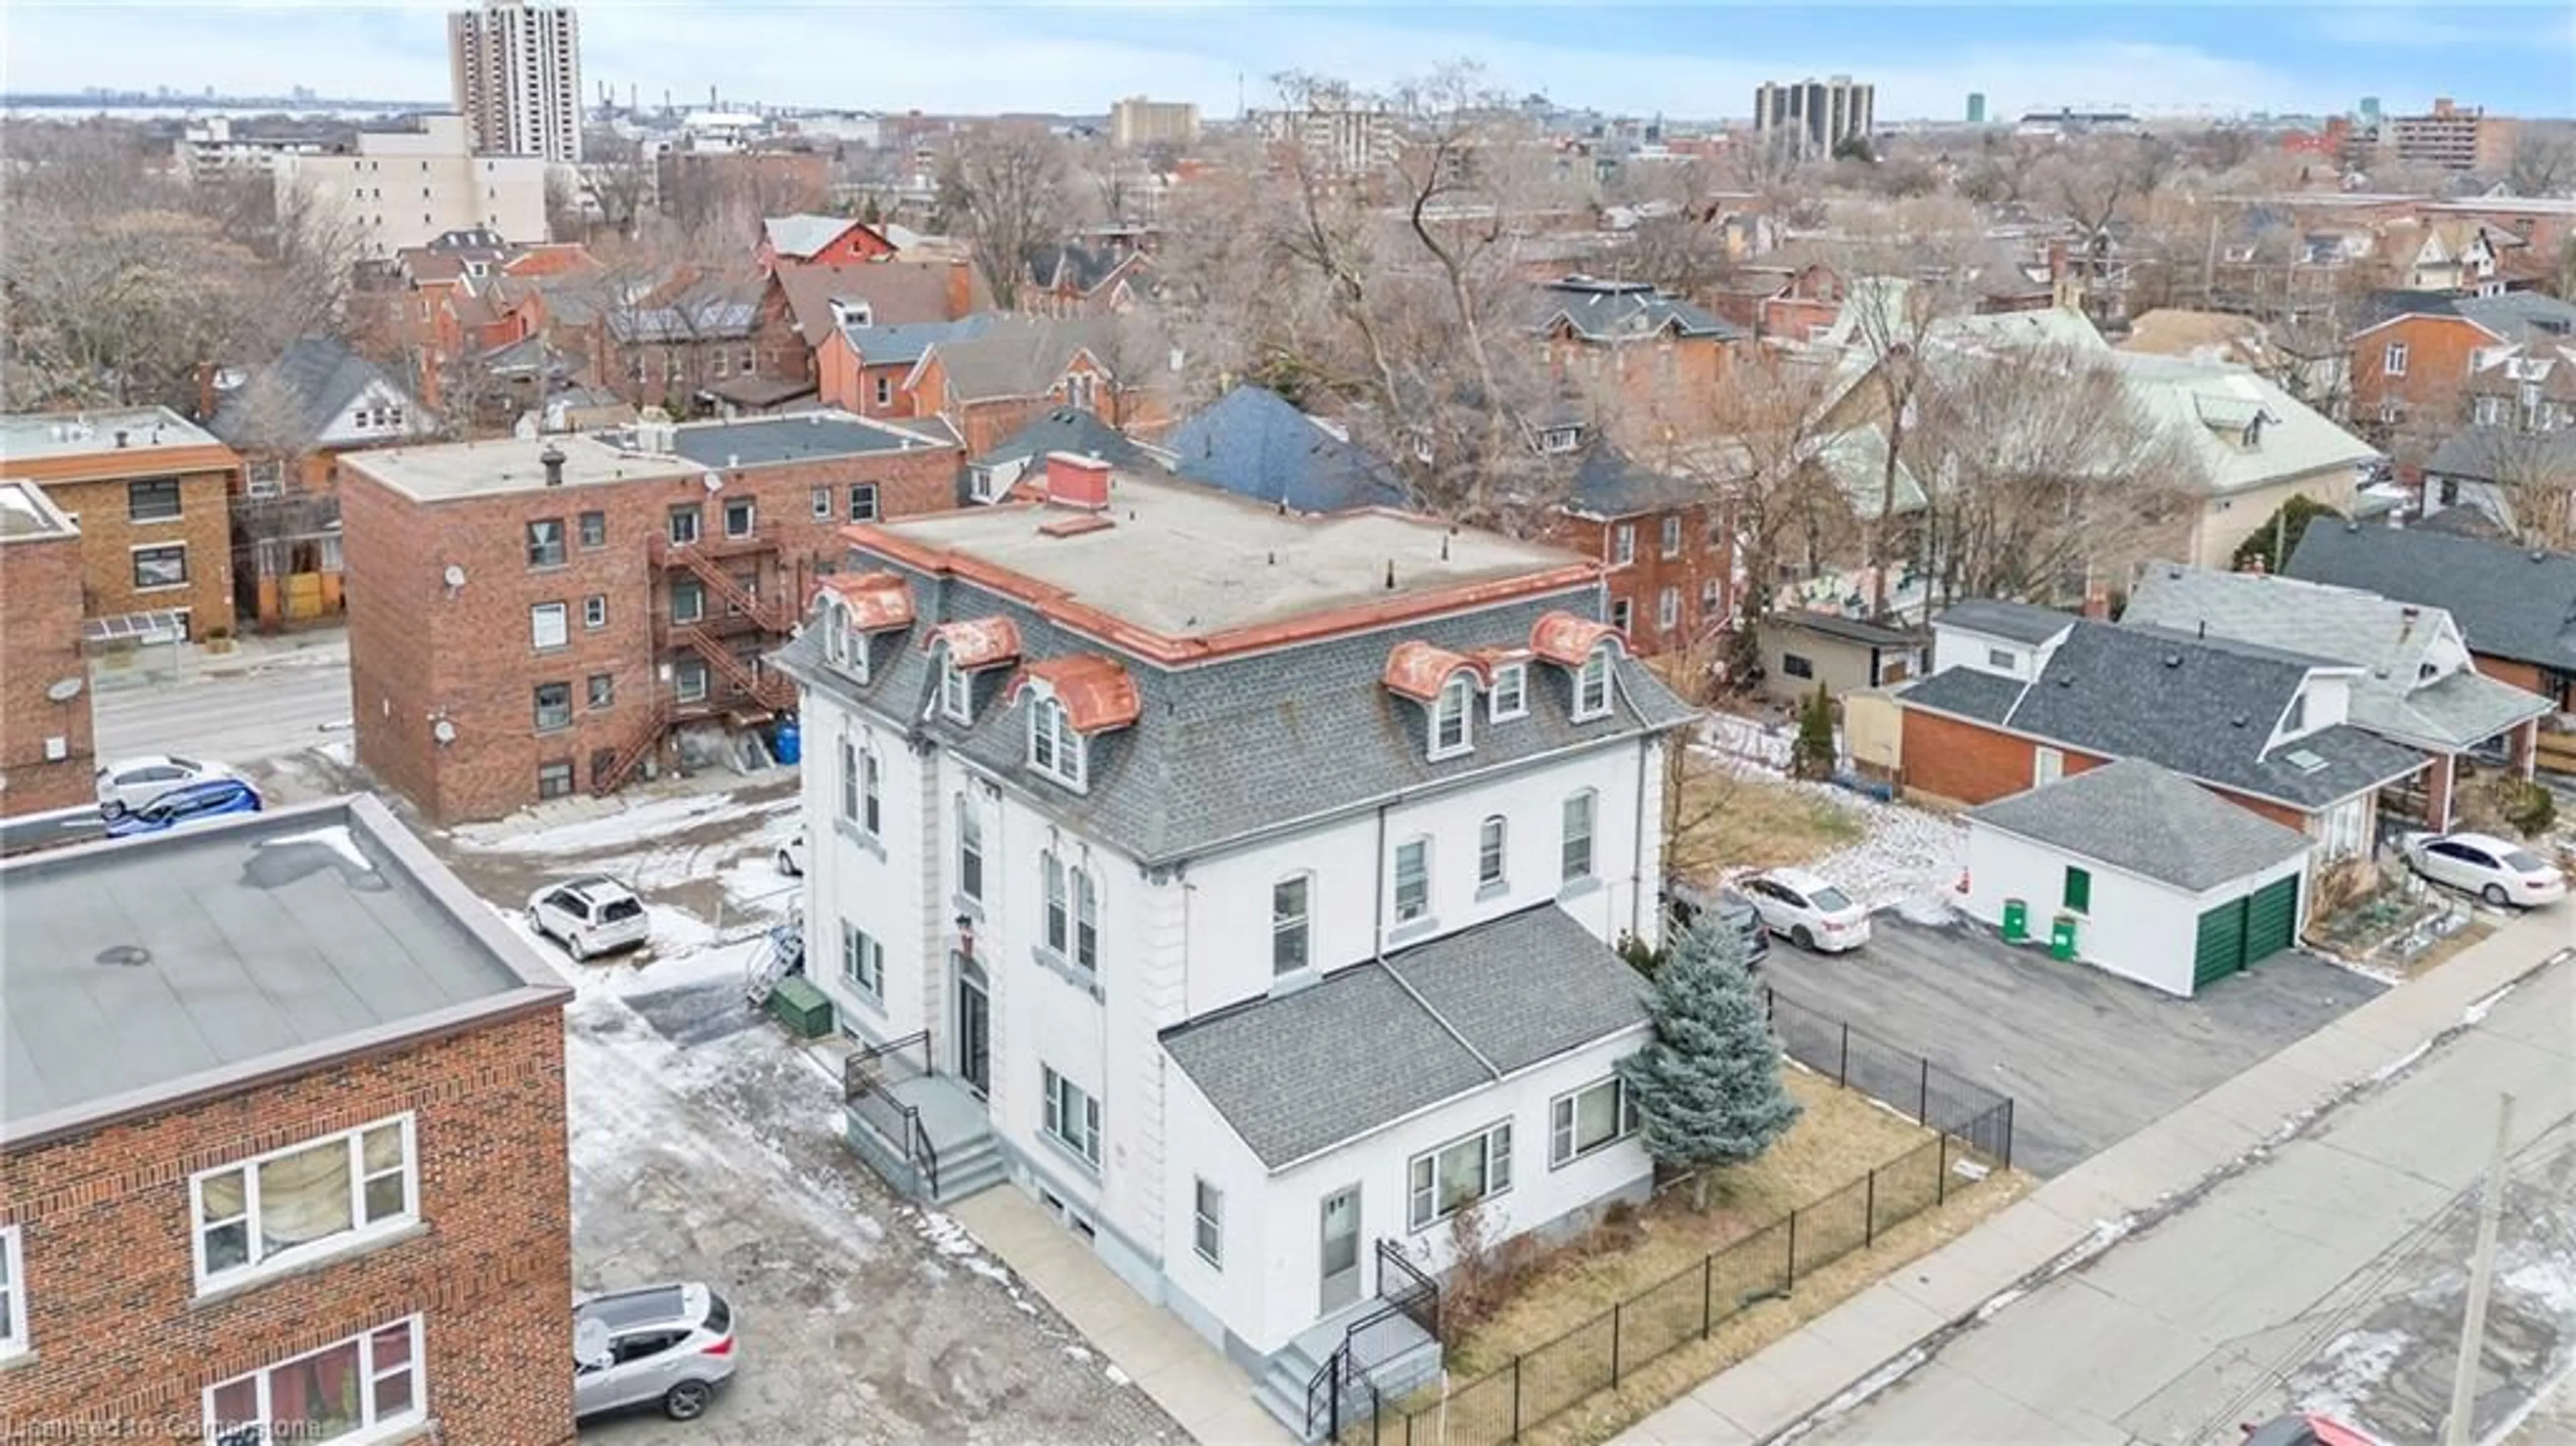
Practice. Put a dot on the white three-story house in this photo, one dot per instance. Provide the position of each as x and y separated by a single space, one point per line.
1242 885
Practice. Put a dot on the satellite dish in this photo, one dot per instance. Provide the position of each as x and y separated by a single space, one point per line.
443 731
454 575
63 690
714 481
590 1342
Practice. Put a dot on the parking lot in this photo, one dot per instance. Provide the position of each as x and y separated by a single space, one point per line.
2087 1057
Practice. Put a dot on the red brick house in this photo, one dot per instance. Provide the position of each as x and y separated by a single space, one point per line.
1663 545
46 754
864 369
2412 365
807 240
536 617
1065 279
1664 359
800 307
989 385
299 1177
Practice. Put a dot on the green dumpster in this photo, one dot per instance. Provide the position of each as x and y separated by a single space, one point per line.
2016 920
804 1009
2061 937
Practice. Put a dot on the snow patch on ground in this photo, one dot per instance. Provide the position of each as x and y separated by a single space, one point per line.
2477 1013
1117 1377
2351 1369
582 829
1907 859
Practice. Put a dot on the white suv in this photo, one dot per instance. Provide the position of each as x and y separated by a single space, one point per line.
591 915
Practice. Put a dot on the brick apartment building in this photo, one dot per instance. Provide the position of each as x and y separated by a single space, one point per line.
535 617
1665 555
151 495
283 1152
46 757
1664 359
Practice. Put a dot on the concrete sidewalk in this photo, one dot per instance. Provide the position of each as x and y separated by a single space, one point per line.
1888 1327
1209 1395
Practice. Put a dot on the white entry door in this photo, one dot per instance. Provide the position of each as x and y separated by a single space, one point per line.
1341 1253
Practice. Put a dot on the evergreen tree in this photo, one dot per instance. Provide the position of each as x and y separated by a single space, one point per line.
1812 754
1707 1090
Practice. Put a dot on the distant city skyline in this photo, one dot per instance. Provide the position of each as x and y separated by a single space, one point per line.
1700 62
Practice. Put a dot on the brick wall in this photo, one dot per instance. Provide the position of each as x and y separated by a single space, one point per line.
2428 395
109 536
1702 559
2525 676
416 653
122 1343
1951 761
40 644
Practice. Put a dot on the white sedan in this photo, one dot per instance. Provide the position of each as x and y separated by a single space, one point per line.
1809 912
2496 870
131 783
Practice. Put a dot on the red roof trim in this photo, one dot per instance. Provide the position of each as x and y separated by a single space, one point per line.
1096 692
977 642
1567 640
1418 670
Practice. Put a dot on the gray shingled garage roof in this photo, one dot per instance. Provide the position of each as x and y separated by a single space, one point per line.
1298 1074
2146 820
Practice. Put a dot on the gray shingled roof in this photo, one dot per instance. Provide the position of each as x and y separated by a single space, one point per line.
1255 443
317 376
1023 358
2509 602
2490 453
1400 1035
2394 642
1623 311
1965 692
903 345
2135 816
1071 429
1226 750
2017 621
2202 707
1610 483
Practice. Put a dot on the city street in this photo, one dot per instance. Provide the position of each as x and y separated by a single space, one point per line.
2329 1276
237 710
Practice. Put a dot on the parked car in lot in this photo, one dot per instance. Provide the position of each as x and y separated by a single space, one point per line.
791 856
2304 1428
1684 902
593 915
133 782
662 1345
2496 870
1810 913
186 804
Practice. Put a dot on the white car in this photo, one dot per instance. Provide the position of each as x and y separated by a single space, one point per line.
2496 870
133 782
1810 913
791 856
592 915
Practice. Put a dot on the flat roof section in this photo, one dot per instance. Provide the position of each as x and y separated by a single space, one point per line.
139 973
517 464
806 437
1182 560
36 436
28 515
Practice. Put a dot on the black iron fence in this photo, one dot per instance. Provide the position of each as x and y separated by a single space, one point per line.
1921 1090
1547 1380
868 1080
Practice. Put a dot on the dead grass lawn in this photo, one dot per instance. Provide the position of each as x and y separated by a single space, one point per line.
2475 931
1728 822
1841 1137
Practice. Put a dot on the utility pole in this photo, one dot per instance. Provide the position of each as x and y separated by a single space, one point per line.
2473 1328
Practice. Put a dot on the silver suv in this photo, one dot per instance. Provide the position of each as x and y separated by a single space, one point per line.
665 1345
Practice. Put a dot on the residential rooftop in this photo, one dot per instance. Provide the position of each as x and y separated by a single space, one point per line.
2150 821
27 514
1178 560
40 436
517 464
145 972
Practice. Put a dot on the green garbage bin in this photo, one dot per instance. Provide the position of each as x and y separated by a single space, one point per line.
2061 937
2016 920
804 1009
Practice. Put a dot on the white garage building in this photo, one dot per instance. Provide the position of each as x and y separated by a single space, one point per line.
2166 882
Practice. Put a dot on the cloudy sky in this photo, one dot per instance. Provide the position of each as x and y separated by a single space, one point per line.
1696 59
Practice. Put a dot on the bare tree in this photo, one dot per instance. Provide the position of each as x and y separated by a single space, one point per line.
2543 160
2529 481
1005 187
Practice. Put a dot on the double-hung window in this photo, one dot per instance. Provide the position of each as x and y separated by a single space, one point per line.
1623 544
299 1202
13 1295
863 502
970 850
553 706
154 499
546 542
1054 748
1207 1223
822 503
361 1388
1672 536
1490 837
1510 695
1412 880
862 960
1587 1119
871 794
1086 920
1292 923
956 691
1592 686
1576 853
549 625
1444 1181
1059 907
1449 736
849 780
1072 1117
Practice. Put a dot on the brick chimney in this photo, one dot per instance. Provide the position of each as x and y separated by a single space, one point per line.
2253 564
2097 602
1073 481
961 289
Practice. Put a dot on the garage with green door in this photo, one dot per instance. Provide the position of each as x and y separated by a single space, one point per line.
2137 870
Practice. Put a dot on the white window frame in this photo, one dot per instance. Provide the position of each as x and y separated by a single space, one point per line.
1564 1118
1509 697
1668 609
1419 877
689 680
871 818
1592 686
1671 538
956 690
594 610
822 502
862 961
1056 892
849 780
970 850
2392 361
258 1263
1580 819
14 1337
1451 733
863 502
885 389
549 626
1623 544
696 592
1055 749
371 1425
749 509
1066 1100
1297 924
1620 614
1427 1204
1493 853
1207 1222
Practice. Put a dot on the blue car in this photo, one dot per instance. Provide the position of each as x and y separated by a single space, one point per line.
187 804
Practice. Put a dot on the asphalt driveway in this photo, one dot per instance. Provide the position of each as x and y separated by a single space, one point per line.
2087 1057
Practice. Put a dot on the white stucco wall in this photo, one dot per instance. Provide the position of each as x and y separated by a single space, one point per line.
2135 927
1957 647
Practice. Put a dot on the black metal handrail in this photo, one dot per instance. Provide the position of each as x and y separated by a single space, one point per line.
1415 1293
865 1077
1412 1296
